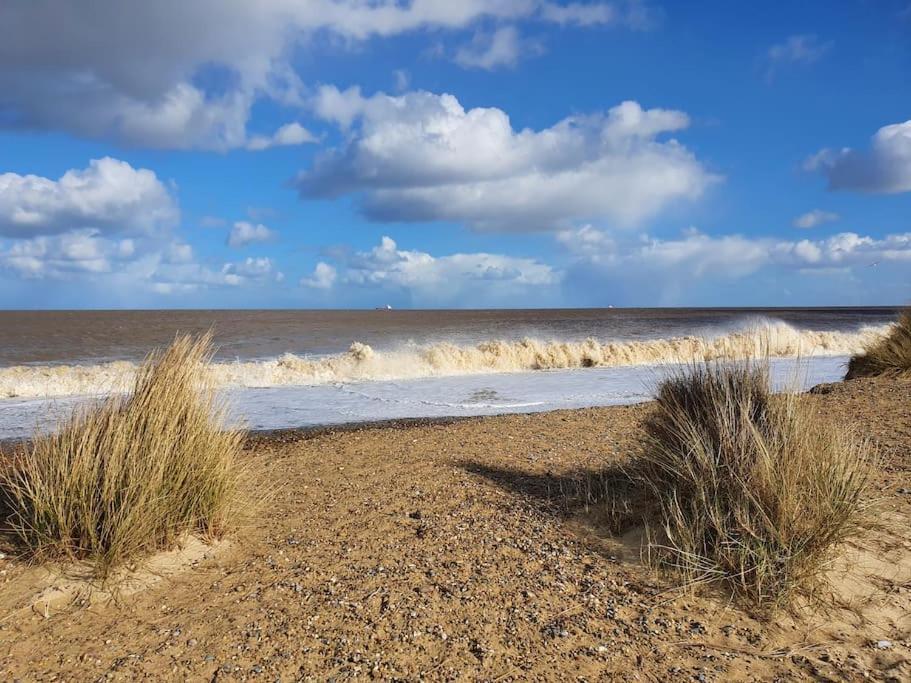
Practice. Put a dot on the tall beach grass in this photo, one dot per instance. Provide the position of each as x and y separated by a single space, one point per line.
890 355
752 487
132 474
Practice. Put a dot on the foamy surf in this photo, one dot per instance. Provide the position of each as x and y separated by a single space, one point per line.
361 363
430 397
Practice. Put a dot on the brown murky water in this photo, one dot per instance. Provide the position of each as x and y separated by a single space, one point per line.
93 336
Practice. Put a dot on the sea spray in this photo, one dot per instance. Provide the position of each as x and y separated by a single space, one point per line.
362 363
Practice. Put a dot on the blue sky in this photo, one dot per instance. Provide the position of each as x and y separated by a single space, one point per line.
425 153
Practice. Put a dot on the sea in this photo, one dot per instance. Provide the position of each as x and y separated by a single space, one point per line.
302 368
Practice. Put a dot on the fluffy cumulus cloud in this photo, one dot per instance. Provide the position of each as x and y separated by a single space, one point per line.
323 277
87 257
814 218
697 255
250 269
434 278
61 256
423 157
174 278
179 74
109 195
884 168
700 269
114 226
244 233
286 136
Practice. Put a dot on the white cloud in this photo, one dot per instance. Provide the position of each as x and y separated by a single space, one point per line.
163 277
177 252
502 48
422 157
699 269
109 195
323 277
387 264
244 233
885 168
126 248
249 269
699 255
696 253
85 256
635 14
814 218
431 278
581 14
796 49
288 135
177 74
342 107
61 256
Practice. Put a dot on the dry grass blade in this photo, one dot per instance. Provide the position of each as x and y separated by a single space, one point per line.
891 355
131 474
753 488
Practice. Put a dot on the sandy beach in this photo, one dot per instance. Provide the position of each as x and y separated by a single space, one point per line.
466 550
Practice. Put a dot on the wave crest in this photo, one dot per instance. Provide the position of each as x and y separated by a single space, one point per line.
362 363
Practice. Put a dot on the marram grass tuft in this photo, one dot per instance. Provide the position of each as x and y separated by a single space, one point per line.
132 474
754 490
890 356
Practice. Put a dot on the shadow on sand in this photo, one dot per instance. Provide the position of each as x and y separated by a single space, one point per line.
11 545
607 508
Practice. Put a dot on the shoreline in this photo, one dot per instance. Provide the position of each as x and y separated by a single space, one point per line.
290 434
257 437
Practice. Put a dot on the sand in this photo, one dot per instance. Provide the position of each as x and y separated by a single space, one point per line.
464 550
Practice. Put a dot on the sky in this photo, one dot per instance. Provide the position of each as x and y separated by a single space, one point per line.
441 154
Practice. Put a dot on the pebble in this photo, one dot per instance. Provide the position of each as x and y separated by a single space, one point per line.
884 645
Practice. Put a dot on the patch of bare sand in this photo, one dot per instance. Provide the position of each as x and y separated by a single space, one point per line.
50 589
465 551
866 591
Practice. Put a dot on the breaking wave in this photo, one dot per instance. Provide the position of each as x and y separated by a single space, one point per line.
362 363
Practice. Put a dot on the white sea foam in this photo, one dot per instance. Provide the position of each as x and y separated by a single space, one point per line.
475 394
361 363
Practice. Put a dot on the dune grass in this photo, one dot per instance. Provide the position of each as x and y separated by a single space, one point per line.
752 488
132 474
889 356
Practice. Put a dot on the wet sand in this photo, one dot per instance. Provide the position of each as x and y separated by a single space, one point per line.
467 549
